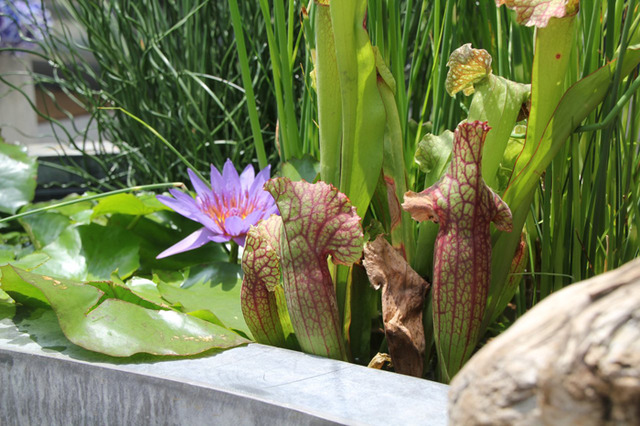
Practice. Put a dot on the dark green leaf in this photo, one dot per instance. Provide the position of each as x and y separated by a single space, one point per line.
306 168
107 249
45 227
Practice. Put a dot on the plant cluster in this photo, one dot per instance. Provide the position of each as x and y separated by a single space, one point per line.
442 188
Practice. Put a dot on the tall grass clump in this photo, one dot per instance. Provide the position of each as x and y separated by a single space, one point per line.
173 65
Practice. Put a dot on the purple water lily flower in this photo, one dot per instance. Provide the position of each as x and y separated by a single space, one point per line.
21 22
227 210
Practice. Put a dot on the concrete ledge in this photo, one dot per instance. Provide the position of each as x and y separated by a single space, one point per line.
56 383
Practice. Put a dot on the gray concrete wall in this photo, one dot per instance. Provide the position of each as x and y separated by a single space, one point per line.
52 382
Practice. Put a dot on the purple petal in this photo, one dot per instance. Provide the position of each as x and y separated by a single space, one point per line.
219 238
217 181
231 179
240 240
236 226
193 241
247 177
201 188
255 216
179 206
260 179
185 205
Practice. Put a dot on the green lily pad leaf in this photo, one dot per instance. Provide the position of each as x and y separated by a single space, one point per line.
147 290
538 12
174 278
128 204
30 261
215 287
467 66
92 320
19 290
65 256
160 230
114 290
206 315
5 299
433 154
90 252
305 168
17 177
45 227
107 249
6 256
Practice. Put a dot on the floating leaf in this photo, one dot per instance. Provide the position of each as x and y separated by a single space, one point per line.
159 230
467 66
45 228
214 287
137 205
17 177
65 256
97 321
538 12
107 249
147 290
318 222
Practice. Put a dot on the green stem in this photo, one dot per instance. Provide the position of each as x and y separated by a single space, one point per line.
92 197
233 252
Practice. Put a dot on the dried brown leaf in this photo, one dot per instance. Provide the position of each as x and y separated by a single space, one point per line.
403 294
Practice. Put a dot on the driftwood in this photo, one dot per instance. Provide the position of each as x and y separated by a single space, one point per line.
572 360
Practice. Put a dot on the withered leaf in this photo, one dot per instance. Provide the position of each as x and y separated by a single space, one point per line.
403 294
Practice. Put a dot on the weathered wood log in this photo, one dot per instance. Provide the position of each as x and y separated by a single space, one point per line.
574 359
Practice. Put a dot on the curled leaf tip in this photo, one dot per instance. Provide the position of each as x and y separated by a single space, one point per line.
421 205
467 66
538 12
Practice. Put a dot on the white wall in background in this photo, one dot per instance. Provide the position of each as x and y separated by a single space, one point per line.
18 121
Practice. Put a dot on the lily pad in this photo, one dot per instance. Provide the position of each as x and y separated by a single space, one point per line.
107 249
214 287
137 205
17 177
97 321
